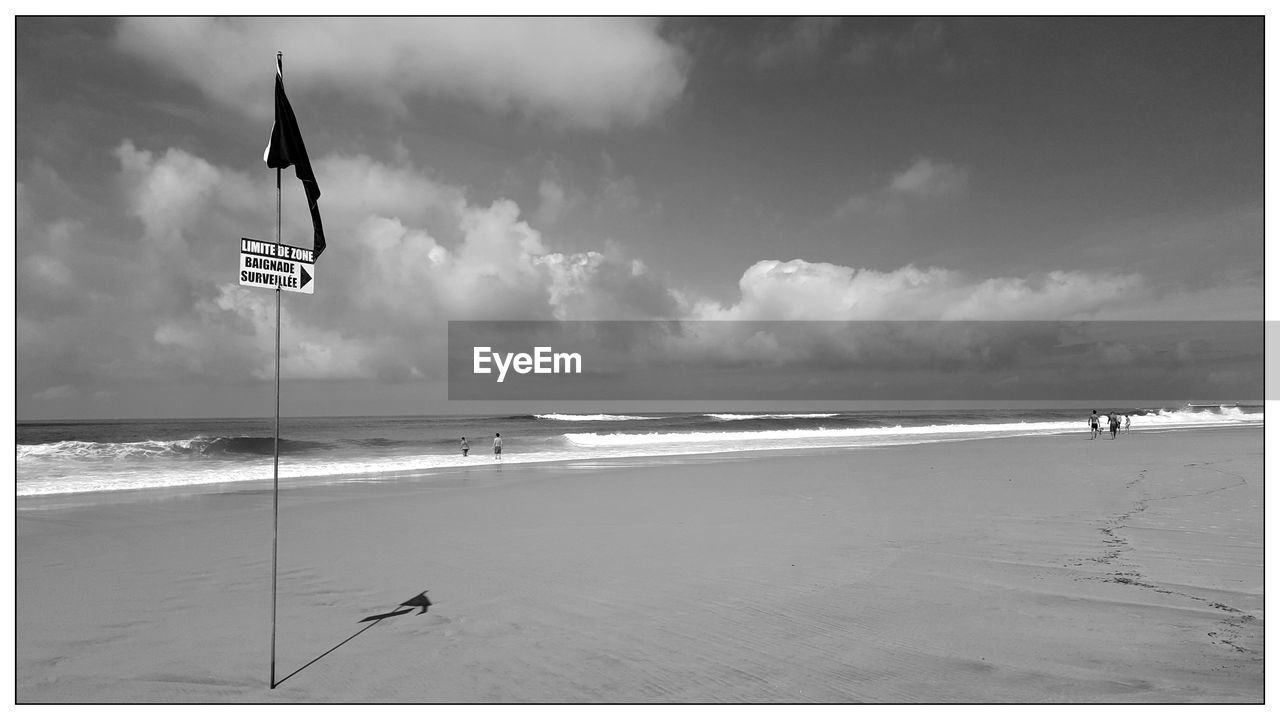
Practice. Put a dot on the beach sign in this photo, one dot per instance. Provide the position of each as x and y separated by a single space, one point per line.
270 265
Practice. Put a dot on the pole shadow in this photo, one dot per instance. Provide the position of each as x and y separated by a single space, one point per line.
417 601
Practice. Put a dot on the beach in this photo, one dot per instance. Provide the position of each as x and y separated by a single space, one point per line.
1026 569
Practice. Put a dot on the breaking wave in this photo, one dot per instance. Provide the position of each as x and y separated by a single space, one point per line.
410 447
1160 419
592 418
196 446
775 416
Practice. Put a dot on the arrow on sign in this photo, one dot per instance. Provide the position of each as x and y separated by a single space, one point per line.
273 265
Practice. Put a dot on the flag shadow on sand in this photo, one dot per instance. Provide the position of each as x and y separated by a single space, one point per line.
420 601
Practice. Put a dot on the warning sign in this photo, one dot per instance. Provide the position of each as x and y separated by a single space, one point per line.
268 265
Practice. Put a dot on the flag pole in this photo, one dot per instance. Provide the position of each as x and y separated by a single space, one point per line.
275 471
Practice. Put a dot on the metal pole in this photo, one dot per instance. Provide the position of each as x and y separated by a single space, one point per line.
275 471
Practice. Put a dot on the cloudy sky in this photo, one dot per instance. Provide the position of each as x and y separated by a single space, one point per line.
614 169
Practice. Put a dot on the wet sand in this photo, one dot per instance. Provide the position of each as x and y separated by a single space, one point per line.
1052 569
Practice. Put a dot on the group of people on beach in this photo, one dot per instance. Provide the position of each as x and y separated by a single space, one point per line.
497 446
1113 421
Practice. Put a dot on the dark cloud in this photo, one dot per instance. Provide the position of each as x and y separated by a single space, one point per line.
579 72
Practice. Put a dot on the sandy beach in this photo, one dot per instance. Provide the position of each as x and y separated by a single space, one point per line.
1029 570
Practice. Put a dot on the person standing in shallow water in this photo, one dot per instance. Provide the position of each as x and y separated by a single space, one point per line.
1093 425
497 445
466 447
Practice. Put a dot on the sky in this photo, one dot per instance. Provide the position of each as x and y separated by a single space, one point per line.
770 169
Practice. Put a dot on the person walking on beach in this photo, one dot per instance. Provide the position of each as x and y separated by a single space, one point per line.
1115 425
466 446
497 445
1093 425
1126 423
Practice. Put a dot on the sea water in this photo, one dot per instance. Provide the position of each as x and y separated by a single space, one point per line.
55 458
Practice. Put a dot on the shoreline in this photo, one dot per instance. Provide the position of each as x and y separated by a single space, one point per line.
1021 569
295 484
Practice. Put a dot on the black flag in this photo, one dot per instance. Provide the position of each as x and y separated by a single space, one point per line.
286 148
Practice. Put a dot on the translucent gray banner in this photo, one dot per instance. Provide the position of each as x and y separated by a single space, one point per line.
880 360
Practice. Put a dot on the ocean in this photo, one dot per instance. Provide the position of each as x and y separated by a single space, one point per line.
58 458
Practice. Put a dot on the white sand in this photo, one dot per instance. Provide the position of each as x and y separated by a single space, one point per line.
1051 569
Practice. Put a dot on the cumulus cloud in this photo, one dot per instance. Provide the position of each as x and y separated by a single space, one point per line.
168 192
917 332
407 253
234 333
801 290
413 251
357 184
576 72
826 317
501 269
90 299
595 285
